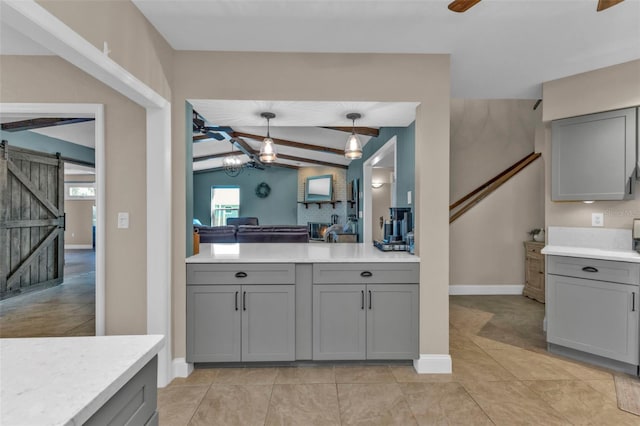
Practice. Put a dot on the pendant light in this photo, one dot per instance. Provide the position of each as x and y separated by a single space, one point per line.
353 149
233 164
268 152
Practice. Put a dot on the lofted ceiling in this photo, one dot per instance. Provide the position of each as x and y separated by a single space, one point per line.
297 122
499 48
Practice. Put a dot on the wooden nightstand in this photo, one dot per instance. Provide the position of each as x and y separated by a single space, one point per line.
534 271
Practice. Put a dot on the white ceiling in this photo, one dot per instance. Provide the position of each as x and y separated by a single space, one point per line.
13 42
296 121
78 133
499 48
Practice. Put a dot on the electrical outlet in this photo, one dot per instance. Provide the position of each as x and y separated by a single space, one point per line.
597 219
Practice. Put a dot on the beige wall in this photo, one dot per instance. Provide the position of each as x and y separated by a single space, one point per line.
333 77
133 42
79 222
488 136
600 90
50 79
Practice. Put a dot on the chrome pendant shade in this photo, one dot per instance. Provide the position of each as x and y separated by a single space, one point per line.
353 148
268 153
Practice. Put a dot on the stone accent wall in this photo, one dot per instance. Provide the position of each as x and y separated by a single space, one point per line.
323 214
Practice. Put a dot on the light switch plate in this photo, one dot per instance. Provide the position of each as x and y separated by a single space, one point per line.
123 220
597 219
409 197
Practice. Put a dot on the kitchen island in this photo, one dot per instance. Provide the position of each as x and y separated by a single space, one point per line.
79 380
299 302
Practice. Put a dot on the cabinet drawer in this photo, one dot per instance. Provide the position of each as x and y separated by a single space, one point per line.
366 273
594 269
240 273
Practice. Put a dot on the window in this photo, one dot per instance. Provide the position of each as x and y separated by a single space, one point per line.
80 191
225 202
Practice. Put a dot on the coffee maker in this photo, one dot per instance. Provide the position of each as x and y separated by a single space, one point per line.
399 225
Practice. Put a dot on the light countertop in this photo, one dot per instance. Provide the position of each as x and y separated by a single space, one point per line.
297 253
593 253
65 380
591 243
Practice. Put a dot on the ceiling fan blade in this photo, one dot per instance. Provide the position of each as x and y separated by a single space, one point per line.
606 4
463 5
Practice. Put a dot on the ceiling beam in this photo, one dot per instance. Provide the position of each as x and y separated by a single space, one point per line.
364 131
211 156
312 161
286 166
291 144
38 123
197 138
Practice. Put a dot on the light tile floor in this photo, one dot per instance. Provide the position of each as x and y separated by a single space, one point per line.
501 375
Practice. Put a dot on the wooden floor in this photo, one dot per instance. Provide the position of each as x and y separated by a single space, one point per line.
64 310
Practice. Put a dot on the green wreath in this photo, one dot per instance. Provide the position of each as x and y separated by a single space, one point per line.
263 190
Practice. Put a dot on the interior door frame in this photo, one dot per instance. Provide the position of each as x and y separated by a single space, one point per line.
367 202
95 111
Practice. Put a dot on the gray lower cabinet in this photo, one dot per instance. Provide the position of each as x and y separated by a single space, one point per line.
134 404
372 321
596 317
231 323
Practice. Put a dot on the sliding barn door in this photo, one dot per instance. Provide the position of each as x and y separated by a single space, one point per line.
31 220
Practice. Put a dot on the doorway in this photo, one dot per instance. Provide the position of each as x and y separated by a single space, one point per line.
85 300
382 165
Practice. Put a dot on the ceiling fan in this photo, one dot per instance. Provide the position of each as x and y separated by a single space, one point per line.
464 5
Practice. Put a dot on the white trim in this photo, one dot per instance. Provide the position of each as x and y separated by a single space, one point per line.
433 364
78 247
367 199
82 110
480 290
159 234
34 21
181 368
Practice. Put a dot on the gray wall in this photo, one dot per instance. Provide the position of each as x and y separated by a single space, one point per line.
41 143
405 175
279 208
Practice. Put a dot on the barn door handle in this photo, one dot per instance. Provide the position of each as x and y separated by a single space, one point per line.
241 275
366 274
590 269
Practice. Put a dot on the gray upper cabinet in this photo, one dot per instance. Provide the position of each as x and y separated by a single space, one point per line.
594 156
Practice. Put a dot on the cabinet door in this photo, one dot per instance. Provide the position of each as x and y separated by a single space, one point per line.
594 156
213 323
268 323
392 321
596 317
534 277
339 322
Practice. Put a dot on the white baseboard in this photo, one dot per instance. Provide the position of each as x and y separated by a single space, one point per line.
480 290
181 368
433 364
78 246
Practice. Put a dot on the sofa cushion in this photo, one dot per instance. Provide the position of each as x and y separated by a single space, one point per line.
244 220
216 234
272 234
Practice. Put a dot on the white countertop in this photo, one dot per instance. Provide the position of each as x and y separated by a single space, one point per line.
296 253
65 380
593 253
591 243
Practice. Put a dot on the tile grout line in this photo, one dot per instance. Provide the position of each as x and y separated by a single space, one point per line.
476 402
